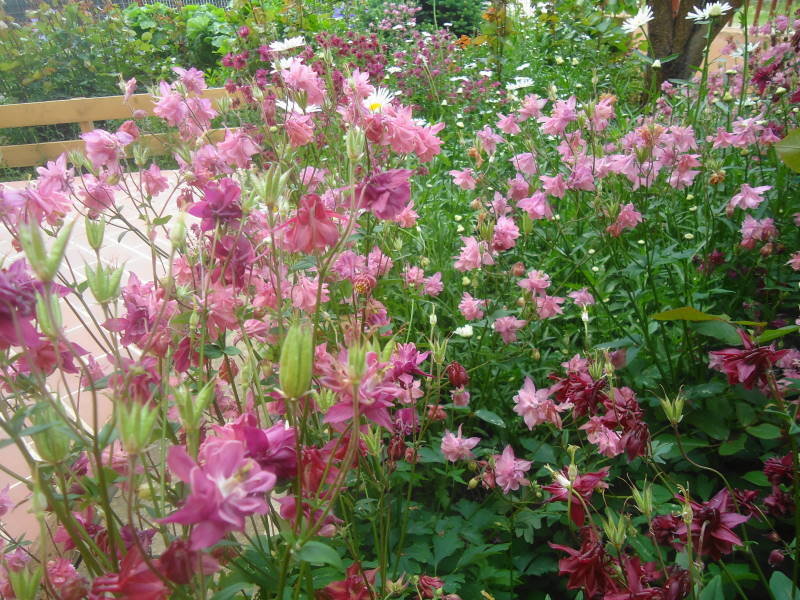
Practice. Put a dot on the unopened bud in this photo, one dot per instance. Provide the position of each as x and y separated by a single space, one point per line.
48 314
354 141
177 235
135 422
296 361
52 441
95 231
673 409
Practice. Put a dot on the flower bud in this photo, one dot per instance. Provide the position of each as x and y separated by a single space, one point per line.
95 231
644 499
296 362
456 374
354 141
135 423
104 283
615 528
673 409
52 441
25 582
177 235
48 314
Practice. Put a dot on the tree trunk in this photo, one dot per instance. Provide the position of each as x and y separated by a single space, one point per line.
671 33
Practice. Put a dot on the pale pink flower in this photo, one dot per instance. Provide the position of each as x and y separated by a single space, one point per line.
535 406
105 149
549 306
506 233
304 294
460 397
532 106
303 78
608 442
6 503
489 139
628 218
536 206
749 197
576 364
471 307
413 276
465 179
508 327
455 447
582 297
474 255
154 181
683 174
554 185
518 188
433 286
312 228
755 230
358 85
510 471
563 114
407 217
128 88
508 124
237 148
192 79
536 282
300 129
794 261
170 106
602 114
525 163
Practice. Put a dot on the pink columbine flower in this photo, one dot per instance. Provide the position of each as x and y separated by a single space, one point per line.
794 261
748 197
608 442
563 114
303 78
464 179
510 471
755 230
105 149
220 203
386 194
170 106
489 139
300 129
525 163
413 276
128 88
508 327
536 206
506 233
192 79
455 447
508 124
582 297
471 307
433 286
225 489
536 282
535 406
549 306
237 148
554 185
312 228
154 181
628 218
518 188
532 106
474 255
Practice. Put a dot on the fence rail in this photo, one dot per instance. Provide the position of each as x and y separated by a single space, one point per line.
16 8
83 111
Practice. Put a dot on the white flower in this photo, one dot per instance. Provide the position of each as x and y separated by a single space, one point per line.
485 73
465 331
294 107
640 19
656 64
709 11
378 100
287 44
519 83
393 70
523 66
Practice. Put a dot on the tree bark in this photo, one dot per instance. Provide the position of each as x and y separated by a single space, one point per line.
671 33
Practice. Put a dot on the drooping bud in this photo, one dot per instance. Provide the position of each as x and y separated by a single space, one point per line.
456 374
296 362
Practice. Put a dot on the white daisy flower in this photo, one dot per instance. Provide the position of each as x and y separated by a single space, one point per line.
287 44
466 331
294 107
640 19
379 99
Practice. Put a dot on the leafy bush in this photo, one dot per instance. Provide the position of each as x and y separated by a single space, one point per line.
464 16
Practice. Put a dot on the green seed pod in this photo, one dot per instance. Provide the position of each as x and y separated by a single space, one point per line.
296 362
45 264
95 232
25 582
177 235
48 314
135 425
53 442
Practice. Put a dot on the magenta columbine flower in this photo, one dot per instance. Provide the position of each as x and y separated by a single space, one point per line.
455 447
226 488
220 203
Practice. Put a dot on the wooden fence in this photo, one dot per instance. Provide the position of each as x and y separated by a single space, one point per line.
774 7
83 111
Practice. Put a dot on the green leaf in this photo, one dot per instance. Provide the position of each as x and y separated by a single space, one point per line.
773 334
490 417
719 330
782 587
233 590
445 544
686 313
318 553
788 150
714 590
756 478
231 351
765 431
212 351
733 446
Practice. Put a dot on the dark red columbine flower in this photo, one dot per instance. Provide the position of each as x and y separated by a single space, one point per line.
385 194
428 586
748 366
779 470
581 390
456 374
356 586
712 526
664 529
135 580
588 567
577 492
180 563
779 503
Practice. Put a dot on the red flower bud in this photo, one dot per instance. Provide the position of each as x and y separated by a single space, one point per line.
456 374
